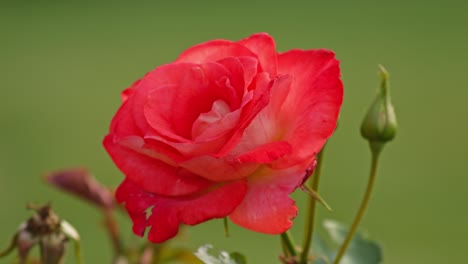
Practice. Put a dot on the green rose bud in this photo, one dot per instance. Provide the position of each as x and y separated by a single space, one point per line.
379 125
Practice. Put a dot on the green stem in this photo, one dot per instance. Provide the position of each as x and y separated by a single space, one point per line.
157 252
226 226
288 242
311 209
113 231
364 204
78 256
285 250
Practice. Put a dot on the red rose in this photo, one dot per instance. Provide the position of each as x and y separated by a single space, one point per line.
228 129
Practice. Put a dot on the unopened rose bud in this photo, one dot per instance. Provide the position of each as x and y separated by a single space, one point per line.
379 125
80 182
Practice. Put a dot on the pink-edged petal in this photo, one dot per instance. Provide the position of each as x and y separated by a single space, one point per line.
157 87
152 174
261 97
264 47
127 134
168 98
136 203
191 149
217 203
166 75
267 126
125 131
128 92
123 123
213 51
267 207
152 148
221 139
165 78
214 123
265 153
218 169
245 67
158 113
314 101
250 66
172 109
169 213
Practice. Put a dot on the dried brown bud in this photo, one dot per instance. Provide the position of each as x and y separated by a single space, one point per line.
47 230
81 183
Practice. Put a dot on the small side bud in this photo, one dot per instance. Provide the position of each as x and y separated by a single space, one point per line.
81 183
380 125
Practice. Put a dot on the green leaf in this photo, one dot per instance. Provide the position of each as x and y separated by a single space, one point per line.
238 258
361 250
320 261
177 255
221 258
320 247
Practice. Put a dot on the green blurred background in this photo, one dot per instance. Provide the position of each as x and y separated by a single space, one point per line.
63 65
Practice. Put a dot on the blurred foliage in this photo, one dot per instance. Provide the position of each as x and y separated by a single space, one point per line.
360 251
221 257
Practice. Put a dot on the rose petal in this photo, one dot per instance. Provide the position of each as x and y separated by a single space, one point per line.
267 125
136 203
265 153
152 148
172 109
264 47
199 86
253 102
168 213
123 123
213 51
151 174
128 92
167 76
191 149
241 66
218 169
267 207
313 103
261 97
127 134
222 166
214 123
